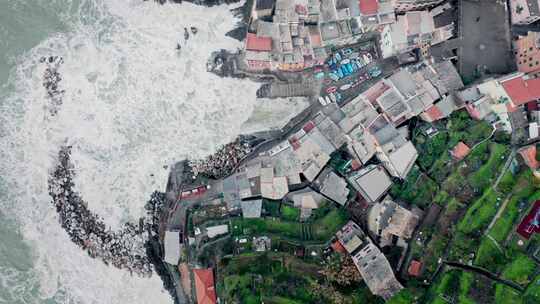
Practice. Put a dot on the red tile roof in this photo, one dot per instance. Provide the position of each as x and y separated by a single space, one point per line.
368 7
531 222
460 151
204 284
529 156
338 247
434 113
522 91
414 268
255 43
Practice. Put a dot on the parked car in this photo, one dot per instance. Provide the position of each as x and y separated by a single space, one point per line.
338 96
345 61
346 51
375 71
345 87
331 90
327 99
337 56
339 73
333 76
332 97
322 101
319 75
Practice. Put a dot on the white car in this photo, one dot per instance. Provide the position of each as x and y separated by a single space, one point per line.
332 97
322 101
345 87
328 101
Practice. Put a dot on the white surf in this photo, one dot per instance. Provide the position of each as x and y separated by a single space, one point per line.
133 105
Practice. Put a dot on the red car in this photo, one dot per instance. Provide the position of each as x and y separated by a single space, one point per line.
331 90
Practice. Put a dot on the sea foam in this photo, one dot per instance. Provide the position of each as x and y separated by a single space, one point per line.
133 105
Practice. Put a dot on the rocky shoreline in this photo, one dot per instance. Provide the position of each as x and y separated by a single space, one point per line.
123 249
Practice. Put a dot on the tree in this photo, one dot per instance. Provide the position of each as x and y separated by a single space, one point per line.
341 270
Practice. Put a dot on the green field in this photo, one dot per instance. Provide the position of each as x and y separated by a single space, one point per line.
321 229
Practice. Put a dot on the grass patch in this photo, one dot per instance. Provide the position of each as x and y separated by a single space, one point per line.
465 282
487 173
480 213
489 255
289 213
268 225
417 189
520 270
532 294
506 295
326 226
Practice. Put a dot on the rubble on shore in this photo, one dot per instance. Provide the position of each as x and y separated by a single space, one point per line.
223 162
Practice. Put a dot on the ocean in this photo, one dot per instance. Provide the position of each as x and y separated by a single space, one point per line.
131 105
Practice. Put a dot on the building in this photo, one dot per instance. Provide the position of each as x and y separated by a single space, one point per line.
395 152
263 8
284 35
372 182
204 286
521 89
527 52
414 5
171 244
370 261
529 157
374 13
524 11
412 30
460 151
332 186
306 200
415 268
531 222
387 219
252 208
218 230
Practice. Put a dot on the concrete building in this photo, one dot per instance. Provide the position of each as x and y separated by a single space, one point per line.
413 30
524 11
387 219
252 208
370 261
306 200
395 152
332 186
372 182
171 244
218 230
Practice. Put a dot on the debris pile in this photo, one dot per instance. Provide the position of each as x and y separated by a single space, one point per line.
224 161
124 249
51 79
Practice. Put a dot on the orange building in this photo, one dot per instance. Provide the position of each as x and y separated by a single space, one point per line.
527 52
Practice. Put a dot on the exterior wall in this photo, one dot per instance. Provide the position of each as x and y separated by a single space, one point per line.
414 5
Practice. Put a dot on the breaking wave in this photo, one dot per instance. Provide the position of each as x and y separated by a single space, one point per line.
131 104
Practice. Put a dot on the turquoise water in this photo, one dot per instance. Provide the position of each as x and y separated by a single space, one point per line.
132 106
23 24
